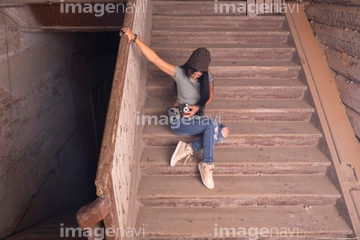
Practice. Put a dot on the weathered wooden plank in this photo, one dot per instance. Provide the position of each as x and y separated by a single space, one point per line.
340 16
50 2
354 118
268 6
340 2
342 144
47 17
94 212
251 11
278 6
349 92
343 64
260 7
337 38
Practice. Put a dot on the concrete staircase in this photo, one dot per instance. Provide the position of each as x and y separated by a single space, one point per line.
270 173
60 227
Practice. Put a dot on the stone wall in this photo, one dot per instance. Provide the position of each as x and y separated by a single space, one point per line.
48 147
336 24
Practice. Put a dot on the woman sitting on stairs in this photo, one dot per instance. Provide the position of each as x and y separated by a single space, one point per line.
194 88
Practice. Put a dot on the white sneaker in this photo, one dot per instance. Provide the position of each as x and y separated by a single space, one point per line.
206 172
183 150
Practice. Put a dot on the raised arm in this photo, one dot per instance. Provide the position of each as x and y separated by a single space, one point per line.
149 53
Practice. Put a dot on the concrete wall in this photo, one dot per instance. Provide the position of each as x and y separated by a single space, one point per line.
48 147
336 24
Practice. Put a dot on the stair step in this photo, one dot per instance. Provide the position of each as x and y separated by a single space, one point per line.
236 88
243 69
243 110
270 172
197 223
235 191
243 134
222 36
58 227
240 161
228 52
217 21
195 7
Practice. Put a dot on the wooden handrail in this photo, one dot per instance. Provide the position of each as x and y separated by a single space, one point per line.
111 125
103 207
343 146
94 212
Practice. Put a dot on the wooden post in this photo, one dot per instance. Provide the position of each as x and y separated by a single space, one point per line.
269 6
93 213
278 4
260 6
251 7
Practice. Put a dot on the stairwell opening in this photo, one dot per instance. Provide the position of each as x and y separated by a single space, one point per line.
54 98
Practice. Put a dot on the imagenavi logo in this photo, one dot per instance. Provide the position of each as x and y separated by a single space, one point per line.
100 9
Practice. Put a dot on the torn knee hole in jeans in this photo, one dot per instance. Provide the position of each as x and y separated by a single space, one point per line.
224 132
216 132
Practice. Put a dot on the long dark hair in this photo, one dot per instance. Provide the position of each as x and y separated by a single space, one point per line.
204 84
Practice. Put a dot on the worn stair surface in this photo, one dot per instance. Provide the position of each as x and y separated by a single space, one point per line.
270 173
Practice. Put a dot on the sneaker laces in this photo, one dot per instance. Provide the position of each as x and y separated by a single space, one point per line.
211 168
208 167
188 157
186 154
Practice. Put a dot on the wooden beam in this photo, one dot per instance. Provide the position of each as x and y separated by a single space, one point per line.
252 10
340 16
91 214
51 2
269 4
259 6
350 96
354 118
278 6
42 17
344 147
349 92
343 64
340 2
342 40
72 29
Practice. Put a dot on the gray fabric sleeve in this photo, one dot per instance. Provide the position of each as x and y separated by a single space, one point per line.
211 79
178 73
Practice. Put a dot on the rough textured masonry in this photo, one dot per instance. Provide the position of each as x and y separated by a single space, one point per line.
48 153
337 26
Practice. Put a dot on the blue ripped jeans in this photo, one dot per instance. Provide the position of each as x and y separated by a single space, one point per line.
209 129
